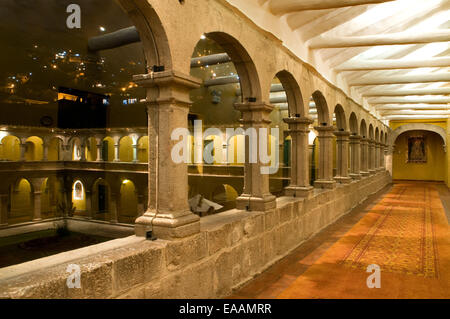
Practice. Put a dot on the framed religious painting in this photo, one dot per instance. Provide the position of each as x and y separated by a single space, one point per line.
417 149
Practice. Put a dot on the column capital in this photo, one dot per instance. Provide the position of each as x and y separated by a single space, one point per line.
324 131
355 138
341 134
298 124
173 87
254 112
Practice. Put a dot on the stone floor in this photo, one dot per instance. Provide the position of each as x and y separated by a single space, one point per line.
281 275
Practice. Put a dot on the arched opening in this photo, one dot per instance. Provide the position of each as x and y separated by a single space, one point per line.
79 197
419 155
229 77
355 147
339 122
21 202
364 148
101 199
128 203
143 149
225 195
11 148
126 149
34 150
285 96
108 149
76 149
51 197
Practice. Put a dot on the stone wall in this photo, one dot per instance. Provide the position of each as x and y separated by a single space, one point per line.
231 249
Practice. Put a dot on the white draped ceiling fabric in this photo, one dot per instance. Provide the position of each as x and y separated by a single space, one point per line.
390 56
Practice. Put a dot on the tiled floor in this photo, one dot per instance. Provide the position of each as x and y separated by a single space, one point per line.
282 274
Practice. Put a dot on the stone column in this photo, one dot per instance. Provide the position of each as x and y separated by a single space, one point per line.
168 214
342 141
23 149
141 204
355 153
116 152
83 153
37 191
325 174
300 179
364 157
45 152
256 195
135 153
371 158
99 152
383 156
4 209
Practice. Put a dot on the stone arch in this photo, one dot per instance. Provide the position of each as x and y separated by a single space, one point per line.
34 149
101 198
371 132
293 93
245 67
323 114
417 126
21 201
377 134
354 123
363 129
341 123
10 146
151 31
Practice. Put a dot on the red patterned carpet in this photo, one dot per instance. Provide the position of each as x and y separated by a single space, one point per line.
406 234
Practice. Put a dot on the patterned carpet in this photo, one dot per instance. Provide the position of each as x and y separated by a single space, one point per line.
406 234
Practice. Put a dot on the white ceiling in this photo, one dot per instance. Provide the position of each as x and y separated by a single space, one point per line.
391 56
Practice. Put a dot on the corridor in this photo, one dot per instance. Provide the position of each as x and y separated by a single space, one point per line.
404 230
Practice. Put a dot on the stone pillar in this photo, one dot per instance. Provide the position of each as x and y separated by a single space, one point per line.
355 153
116 152
4 209
342 141
364 157
135 153
383 156
45 152
37 191
83 153
23 149
389 151
99 152
371 157
300 155
325 174
256 195
168 214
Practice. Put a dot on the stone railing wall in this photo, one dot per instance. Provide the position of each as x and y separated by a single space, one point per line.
231 249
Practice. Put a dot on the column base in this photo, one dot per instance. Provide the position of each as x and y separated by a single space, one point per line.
365 174
343 180
325 184
299 191
372 171
355 176
261 204
167 226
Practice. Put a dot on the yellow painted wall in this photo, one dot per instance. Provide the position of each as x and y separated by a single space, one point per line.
21 203
34 150
126 149
433 170
143 150
53 150
110 148
128 203
11 148
91 149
